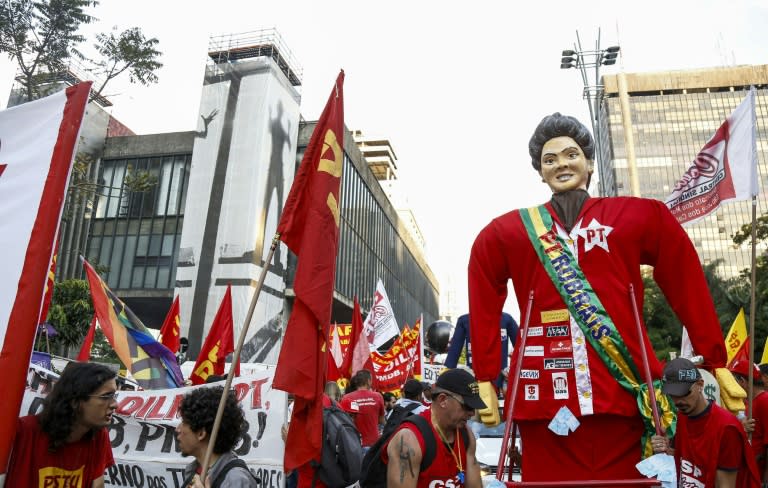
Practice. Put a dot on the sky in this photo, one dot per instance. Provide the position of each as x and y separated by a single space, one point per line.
457 87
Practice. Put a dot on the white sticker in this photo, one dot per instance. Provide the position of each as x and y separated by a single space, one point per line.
534 351
531 392
535 331
529 374
560 385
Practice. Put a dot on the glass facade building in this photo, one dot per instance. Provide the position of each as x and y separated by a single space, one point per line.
671 117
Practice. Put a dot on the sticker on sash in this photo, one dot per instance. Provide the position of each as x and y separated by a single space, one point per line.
558 331
560 347
558 363
560 386
535 331
534 351
549 316
531 392
529 374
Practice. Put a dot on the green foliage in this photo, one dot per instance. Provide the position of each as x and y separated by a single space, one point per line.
70 312
40 36
127 51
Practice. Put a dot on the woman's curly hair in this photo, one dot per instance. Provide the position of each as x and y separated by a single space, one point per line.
61 407
558 125
198 410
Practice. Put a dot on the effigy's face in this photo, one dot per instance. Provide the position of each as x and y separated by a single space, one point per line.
564 166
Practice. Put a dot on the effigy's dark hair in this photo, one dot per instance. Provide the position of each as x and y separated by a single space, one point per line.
558 125
198 410
61 406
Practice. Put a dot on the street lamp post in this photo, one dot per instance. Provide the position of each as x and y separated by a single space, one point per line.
582 60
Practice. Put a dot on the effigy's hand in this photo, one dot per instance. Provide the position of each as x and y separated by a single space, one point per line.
489 415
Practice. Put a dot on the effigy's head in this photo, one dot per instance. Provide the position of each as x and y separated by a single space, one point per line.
562 151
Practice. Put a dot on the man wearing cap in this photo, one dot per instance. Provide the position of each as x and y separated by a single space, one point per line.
455 397
575 264
757 424
710 446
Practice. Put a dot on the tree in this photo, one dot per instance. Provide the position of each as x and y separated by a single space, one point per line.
70 313
128 51
41 35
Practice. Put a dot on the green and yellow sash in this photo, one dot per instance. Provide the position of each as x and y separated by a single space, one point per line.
593 320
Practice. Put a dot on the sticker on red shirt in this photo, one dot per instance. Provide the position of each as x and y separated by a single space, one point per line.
560 347
531 392
560 386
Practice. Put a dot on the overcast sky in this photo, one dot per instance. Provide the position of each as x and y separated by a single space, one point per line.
457 87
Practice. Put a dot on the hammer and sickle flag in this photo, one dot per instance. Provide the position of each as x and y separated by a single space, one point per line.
309 226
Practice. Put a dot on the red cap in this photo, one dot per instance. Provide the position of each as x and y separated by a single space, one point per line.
741 367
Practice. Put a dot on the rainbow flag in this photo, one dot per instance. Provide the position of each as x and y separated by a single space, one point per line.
151 364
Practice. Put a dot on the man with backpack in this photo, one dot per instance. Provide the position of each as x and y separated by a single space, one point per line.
198 411
368 405
435 448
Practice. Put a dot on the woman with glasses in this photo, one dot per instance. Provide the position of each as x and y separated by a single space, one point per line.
67 444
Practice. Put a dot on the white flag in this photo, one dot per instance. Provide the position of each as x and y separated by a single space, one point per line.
381 321
37 143
724 170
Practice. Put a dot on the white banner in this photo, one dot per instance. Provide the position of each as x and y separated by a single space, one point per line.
431 372
724 170
380 321
144 440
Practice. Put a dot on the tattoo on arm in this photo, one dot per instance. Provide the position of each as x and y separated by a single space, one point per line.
405 460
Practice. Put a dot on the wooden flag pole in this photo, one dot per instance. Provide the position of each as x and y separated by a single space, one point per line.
750 388
236 357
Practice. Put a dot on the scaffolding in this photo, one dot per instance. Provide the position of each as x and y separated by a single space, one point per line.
70 73
265 42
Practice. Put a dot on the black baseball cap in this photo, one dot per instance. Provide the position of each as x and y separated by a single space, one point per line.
461 383
679 375
412 388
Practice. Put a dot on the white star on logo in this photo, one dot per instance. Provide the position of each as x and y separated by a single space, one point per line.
595 234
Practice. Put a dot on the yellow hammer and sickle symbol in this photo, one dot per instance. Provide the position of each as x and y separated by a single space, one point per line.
332 167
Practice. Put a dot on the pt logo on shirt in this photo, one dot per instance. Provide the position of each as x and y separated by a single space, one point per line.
55 477
595 234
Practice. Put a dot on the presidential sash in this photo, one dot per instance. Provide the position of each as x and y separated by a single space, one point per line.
593 320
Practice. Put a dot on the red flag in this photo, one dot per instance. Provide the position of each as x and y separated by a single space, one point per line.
169 332
309 226
49 283
360 344
39 140
218 344
85 351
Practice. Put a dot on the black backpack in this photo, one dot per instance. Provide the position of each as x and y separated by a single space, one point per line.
397 415
374 474
341 456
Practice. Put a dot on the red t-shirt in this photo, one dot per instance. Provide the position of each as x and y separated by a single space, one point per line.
760 435
370 407
74 465
713 440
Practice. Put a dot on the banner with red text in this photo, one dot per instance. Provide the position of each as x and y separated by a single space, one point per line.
393 367
380 322
724 170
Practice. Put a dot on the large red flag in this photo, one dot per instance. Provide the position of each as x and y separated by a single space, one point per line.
218 344
85 350
309 226
169 332
38 144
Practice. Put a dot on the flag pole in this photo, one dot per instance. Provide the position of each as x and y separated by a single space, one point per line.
236 357
752 309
